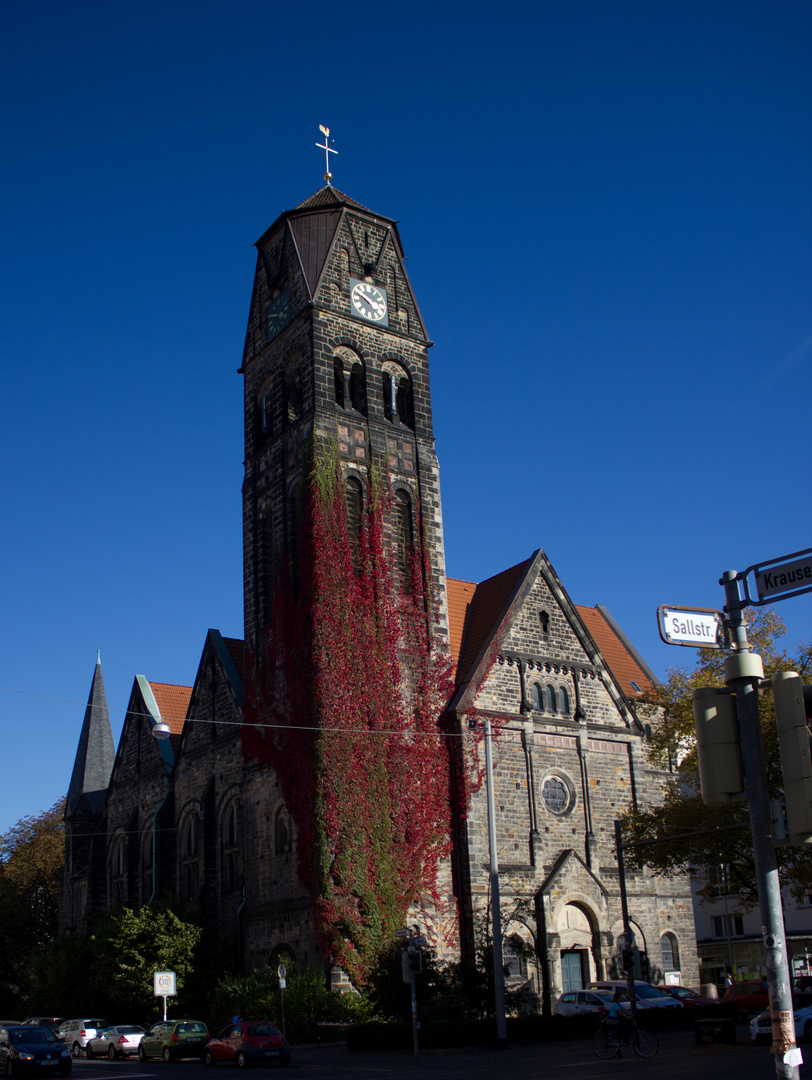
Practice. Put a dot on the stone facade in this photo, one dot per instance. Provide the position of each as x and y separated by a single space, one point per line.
194 815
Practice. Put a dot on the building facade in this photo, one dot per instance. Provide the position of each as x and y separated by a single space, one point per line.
335 369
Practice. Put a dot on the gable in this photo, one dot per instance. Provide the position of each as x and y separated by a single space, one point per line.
524 639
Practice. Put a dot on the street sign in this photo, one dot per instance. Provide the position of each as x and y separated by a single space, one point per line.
698 628
164 983
777 582
281 971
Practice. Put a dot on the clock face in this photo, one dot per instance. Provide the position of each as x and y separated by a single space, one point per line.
278 315
369 302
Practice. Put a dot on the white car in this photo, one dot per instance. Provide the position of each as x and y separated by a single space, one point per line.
115 1042
647 996
577 1002
761 1028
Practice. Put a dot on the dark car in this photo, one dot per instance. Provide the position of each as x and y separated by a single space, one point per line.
28 1049
688 997
248 1042
173 1039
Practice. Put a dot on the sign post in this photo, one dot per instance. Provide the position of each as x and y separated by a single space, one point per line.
164 984
775 579
282 973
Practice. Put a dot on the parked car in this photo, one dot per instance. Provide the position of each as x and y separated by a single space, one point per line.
750 997
173 1039
27 1048
75 1033
761 1026
687 996
121 1040
647 996
247 1042
577 1002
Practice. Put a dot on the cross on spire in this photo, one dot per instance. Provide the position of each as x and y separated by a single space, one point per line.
325 146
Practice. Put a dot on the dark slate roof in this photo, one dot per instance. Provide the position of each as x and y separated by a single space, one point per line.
96 752
330 196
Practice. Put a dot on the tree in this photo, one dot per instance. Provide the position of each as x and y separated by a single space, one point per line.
713 842
109 968
32 854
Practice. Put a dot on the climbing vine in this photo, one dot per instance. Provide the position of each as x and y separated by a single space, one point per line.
346 705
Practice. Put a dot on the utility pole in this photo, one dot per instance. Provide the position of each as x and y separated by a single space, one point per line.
744 673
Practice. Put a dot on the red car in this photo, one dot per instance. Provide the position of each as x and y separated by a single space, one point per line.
687 996
248 1042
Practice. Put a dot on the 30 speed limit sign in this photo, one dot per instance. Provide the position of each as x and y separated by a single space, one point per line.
164 983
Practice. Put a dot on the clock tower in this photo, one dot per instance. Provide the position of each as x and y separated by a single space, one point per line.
336 356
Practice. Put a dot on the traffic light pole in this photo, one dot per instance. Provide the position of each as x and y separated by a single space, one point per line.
743 674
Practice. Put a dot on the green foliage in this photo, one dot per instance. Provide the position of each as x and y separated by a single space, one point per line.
31 860
445 991
308 1001
109 970
683 819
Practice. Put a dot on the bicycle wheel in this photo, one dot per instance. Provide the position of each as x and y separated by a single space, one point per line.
606 1045
645 1044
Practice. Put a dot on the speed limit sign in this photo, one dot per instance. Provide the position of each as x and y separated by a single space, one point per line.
164 983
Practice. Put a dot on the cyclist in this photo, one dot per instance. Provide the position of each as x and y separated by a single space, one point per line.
619 1018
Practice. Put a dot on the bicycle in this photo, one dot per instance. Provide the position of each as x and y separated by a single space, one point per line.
609 1044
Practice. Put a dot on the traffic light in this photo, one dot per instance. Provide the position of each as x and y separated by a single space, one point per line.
627 959
718 746
415 960
793 710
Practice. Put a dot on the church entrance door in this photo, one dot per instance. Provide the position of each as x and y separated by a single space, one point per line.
571 971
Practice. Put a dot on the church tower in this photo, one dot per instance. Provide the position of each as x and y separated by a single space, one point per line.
336 352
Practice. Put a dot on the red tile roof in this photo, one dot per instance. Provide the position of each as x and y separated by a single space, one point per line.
173 703
483 611
474 613
460 594
617 653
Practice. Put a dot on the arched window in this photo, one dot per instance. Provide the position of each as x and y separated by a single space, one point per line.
538 697
358 396
398 399
669 948
190 857
229 837
404 535
293 398
563 701
349 381
265 412
118 872
283 840
147 868
353 493
551 699
338 382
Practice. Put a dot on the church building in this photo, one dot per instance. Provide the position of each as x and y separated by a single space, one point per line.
322 781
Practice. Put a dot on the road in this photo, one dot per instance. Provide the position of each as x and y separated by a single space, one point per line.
679 1057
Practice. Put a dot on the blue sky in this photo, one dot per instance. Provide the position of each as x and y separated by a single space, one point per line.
606 209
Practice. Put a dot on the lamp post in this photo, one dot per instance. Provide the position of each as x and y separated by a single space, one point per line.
496 916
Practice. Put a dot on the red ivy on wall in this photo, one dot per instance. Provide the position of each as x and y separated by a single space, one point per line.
346 706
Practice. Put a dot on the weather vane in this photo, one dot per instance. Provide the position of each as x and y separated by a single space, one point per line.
325 146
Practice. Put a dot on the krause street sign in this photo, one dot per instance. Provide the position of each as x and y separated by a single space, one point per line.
698 628
778 579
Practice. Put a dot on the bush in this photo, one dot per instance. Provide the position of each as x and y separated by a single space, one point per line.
308 1001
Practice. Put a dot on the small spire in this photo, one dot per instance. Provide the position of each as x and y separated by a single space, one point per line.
98 657
325 146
